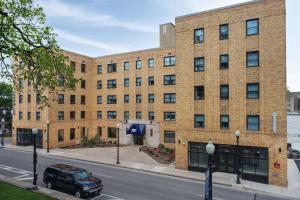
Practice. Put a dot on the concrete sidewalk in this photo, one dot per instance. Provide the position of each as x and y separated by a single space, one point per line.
140 161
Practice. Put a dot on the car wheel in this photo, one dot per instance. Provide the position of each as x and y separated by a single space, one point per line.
78 194
49 185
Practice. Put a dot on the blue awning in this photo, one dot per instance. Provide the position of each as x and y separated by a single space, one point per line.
136 129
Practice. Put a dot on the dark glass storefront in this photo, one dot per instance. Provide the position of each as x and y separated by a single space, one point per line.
253 160
25 138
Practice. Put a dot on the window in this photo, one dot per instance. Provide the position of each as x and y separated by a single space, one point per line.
72 133
252 27
126 65
99 69
253 91
224 32
112 132
138 115
253 123
151 98
38 99
99 99
61 115
29 83
61 99
199 121
151 115
21 65
169 61
82 99
138 81
224 122
126 82
138 98
82 132
170 97
21 83
82 84
151 132
138 64
151 80
126 115
72 99
224 92
169 137
199 92
61 80
199 35
253 59
111 114
20 98
224 61
111 68
72 115
150 62
126 98
169 79
99 114
60 135
199 64
73 65
99 84
111 99
82 114
38 116
20 115
112 83
29 98
99 131
83 68
170 116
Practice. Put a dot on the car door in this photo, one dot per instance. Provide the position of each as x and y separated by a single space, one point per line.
65 181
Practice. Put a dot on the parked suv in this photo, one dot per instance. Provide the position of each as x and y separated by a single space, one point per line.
72 179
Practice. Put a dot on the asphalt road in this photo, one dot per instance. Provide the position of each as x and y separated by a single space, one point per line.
120 183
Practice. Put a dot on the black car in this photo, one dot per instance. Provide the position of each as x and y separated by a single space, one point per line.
72 179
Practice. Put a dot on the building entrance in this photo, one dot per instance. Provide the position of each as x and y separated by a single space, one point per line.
138 139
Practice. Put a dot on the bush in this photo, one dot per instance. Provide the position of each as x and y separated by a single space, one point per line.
162 148
84 141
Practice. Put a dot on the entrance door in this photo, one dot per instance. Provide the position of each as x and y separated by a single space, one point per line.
138 139
227 162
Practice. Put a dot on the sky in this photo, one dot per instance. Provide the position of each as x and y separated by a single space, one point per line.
102 27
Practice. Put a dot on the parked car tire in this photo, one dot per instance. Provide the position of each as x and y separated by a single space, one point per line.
50 185
78 194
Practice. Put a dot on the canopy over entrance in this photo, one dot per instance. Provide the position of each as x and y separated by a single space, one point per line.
136 129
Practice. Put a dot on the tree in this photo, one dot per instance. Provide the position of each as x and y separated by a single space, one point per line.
29 50
6 102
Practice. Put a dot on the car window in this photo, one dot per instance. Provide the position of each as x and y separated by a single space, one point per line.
80 175
51 171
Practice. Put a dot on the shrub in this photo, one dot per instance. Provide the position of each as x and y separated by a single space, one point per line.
84 141
162 148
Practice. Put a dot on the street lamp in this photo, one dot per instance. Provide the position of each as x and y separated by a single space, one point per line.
210 149
3 129
118 144
237 165
34 133
48 136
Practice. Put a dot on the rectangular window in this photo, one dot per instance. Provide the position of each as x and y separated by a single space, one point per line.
29 98
38 116
72 99
169 137
224 92
170 116
199 64
28 115
252 59
112 83
199 93
253 122
253 91
150 62
82 99
199 121
126 82
111 99
199 35
111 115
170 97
252 27
61 99
151 98
126 98
126 115
99 99
72 133
60 115
72 115
83 68
99 131
138 81
99 114
82 132
138 98
99 69
20 115
151 80
82 114
20 98
112 132
224 122
73 65
38 99
224 61
138 64
151 116
111 68
224 32
138 115
29 83
126 66
169 79
60 135
99 84
82 84
21 65
61 80
169 61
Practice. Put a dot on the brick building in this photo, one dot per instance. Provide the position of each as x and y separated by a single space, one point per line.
214 73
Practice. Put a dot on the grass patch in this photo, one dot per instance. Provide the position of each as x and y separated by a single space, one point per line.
11 192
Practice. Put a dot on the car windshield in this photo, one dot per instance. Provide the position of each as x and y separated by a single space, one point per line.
80 175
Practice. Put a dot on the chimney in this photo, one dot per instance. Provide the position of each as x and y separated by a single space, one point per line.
167 35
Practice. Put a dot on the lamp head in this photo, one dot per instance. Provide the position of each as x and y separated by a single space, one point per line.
34 131
4 112
2 120
237 133
118 125
210 148
48 122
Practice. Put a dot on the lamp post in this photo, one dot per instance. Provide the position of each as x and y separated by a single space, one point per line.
237 165
3 129
48 136
210 149
118 144
34 133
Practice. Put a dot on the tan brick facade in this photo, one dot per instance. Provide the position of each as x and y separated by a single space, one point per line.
270 74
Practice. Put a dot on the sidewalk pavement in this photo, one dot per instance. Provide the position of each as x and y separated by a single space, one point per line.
132 158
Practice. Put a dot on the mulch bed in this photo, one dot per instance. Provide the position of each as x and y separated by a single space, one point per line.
161 157
77 146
